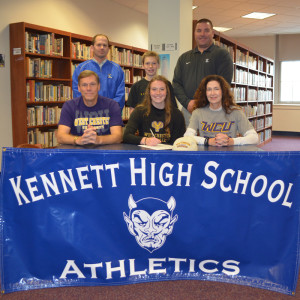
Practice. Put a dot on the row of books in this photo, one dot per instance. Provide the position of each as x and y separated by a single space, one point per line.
81 51
46 138
120 56
252 94
252 79
268 121
241 76
249 110
260 109
260 65
125 113
37 91
241 58
43 44
264 135
124 57
245 77
246 60
260 124
127 75
252 62
265 95
261 137
268 134
268 108
137 60
43 115
37 67
239 93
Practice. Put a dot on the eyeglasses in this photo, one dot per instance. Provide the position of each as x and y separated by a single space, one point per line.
92 85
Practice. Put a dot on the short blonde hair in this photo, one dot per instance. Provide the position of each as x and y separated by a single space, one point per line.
150 54
88 73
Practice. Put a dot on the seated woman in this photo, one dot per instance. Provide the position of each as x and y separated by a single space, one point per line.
156 120
217 118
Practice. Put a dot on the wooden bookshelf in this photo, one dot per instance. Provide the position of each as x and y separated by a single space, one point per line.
252 83
42 62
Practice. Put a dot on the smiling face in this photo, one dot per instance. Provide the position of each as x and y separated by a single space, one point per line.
203 36
89 87
158 93
214 94
150 66
100 48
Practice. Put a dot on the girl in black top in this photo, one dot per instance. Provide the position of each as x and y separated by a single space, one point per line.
155 120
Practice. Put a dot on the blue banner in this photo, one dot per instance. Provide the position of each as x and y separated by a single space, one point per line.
92 217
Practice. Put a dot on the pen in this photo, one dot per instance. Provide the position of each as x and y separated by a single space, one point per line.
152 132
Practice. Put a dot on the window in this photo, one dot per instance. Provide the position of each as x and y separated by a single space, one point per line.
290 82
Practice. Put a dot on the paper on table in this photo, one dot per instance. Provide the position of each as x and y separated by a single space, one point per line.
158 147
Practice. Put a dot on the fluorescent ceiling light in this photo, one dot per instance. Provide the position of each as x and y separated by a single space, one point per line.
258 15
222 29
194 7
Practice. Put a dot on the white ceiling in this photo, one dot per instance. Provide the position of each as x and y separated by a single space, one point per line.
227 13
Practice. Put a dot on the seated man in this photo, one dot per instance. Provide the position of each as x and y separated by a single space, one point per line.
90 118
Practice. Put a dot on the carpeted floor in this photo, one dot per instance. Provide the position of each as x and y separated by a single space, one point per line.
283 143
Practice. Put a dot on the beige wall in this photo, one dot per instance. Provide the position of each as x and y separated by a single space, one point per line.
285 117
87 17
264 45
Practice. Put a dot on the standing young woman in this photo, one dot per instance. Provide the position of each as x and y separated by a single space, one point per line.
156 120
217 118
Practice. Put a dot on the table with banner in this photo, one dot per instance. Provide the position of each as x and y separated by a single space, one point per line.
125 215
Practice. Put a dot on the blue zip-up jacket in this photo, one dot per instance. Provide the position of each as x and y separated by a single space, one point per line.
111 75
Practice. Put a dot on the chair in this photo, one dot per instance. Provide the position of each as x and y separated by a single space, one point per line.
39 146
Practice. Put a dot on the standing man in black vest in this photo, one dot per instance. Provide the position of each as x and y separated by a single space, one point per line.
192 66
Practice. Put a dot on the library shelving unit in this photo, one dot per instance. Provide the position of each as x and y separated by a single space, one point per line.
42 61
252 84
130 60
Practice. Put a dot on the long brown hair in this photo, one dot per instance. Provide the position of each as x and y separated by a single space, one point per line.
147 99
228 102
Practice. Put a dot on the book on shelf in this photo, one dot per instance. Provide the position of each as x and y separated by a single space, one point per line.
136 78
137 60
46 138
43 44
38 91
249 110
127 75
81 51
43 115
241 58
125 113
252 62
37 67
120 56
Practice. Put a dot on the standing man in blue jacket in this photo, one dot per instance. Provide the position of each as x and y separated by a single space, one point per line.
110 74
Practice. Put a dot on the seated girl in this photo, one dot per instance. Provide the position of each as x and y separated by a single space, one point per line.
217 118
156 120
